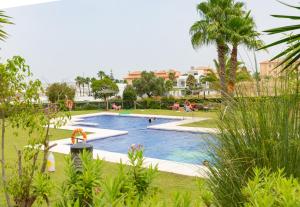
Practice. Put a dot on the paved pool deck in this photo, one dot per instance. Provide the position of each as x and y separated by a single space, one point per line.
63 145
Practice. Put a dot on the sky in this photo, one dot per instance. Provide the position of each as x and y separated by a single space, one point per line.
63 39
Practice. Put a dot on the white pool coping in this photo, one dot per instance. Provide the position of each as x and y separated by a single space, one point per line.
63 145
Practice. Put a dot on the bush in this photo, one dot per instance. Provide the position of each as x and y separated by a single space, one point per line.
260 132
129 96
82 186
271 189
87 106
60 92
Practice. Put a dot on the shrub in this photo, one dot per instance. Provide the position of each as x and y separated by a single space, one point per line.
87 106
271 189
260 132
60 91
82 186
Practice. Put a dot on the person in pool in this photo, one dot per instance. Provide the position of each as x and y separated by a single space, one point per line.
152 119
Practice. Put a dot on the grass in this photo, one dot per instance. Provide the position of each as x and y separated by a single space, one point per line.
209 123
168 183
209 114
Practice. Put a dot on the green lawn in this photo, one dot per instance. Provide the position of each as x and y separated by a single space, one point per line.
168 183
210 123
209 114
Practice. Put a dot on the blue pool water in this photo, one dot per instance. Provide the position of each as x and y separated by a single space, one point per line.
168 145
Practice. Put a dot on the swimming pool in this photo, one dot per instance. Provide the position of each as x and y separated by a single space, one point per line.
176 146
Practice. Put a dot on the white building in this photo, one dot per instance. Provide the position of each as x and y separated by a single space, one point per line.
197 72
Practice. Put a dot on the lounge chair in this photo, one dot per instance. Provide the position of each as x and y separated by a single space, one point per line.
187 108
175 107
115 107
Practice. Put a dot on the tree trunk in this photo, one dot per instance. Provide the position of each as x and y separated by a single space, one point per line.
222 72
233 69
3 160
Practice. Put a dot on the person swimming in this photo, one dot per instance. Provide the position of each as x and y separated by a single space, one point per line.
151 119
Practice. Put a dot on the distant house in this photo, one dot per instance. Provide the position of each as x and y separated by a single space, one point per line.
268 68
160 74
197 72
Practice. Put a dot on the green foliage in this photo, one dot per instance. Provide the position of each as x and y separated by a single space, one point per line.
4 20
182 200
138 176
104 88
57 92
291 54
205 193
172 77
129 96
28 185
149 84
101 75
271 189
258 132
82 185
169 85
224 23
191 82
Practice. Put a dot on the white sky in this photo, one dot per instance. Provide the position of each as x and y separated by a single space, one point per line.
5 4
66 38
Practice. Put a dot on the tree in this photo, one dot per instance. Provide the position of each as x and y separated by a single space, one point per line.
242 32
169 85
78 80
88 83
292 53
211 29
3 21
149 84
57 92
212 77
20 106
129 96
104 88
191 82
172 77
101 74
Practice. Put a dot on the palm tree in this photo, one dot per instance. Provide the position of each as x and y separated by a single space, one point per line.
82 82
3 20
213 78
88 82
101 74
211 29
242 32
78 83
292 53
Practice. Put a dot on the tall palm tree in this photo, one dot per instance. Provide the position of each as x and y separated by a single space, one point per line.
88 82
82 82
241 30
213 78
3 21
211 30
101 74
78 83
